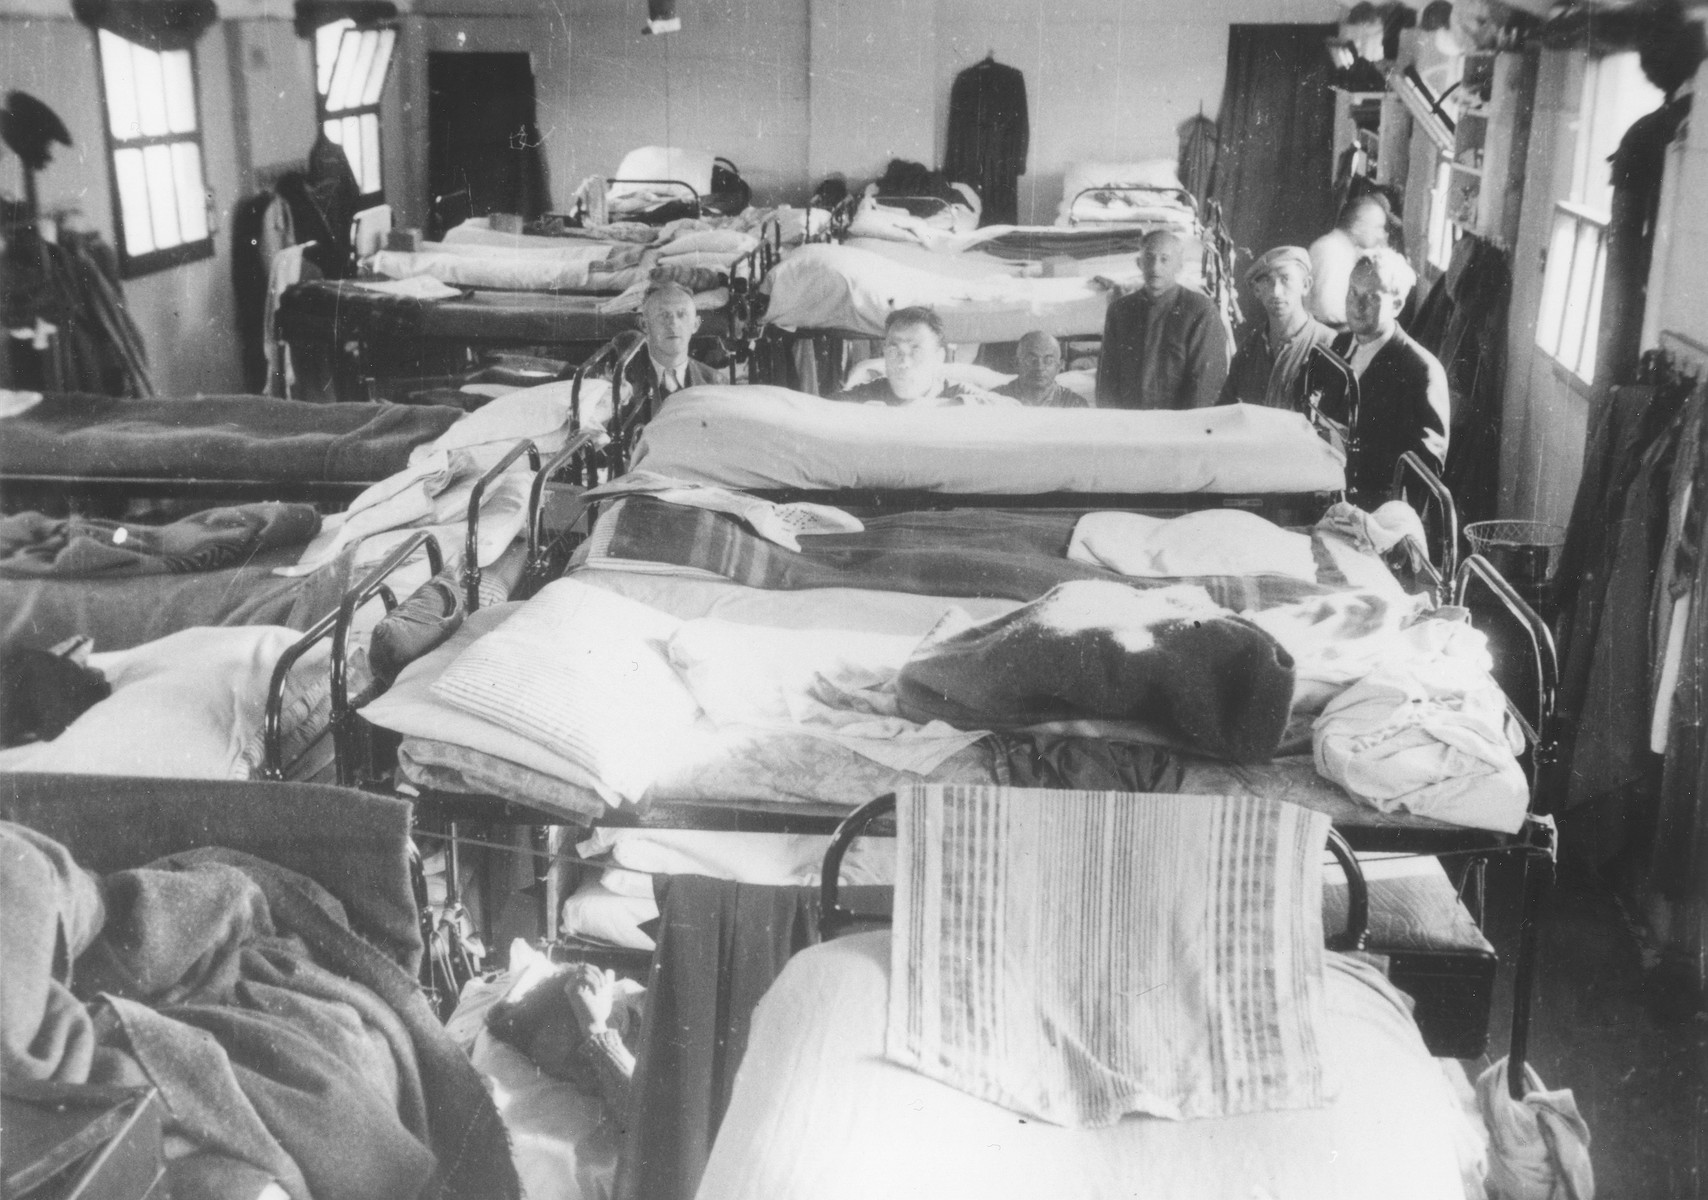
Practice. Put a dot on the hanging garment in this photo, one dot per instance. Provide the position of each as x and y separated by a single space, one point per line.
989 136
1198 145
1638 166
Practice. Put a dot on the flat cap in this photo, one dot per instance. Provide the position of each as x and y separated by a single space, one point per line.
1296 255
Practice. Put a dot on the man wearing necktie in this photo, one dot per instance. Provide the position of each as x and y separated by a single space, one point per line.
669 321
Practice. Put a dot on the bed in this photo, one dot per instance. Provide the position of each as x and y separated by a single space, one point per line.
497 299
208 447
340 1081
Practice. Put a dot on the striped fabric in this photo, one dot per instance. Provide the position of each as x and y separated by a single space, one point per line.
1078 956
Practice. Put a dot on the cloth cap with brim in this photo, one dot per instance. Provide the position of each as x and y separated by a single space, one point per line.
1295 255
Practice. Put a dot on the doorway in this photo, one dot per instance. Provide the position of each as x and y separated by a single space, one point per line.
483 143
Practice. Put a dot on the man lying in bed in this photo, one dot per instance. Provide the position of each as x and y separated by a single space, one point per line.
915 353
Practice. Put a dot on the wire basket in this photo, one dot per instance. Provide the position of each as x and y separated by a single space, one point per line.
1523 551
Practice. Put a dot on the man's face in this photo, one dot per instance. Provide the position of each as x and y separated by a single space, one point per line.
1161 261
669 322
913 361
1370 311
1369 228
1039 361
1282 292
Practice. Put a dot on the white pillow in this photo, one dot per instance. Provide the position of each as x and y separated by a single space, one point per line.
594 911
1152 172
582 672
191 705
693 167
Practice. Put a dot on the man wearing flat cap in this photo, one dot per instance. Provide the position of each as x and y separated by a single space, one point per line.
1270 367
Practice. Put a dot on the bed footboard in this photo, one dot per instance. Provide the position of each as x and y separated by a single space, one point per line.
1437 500
471 544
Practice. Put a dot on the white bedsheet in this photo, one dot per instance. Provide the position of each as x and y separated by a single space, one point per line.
517 272
818 1114
842 287
756 437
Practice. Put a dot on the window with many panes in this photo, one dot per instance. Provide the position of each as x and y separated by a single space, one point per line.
1615 93
350 64
154 139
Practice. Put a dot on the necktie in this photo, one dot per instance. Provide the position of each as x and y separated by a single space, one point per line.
671 383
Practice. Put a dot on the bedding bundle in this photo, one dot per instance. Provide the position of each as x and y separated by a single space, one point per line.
35 546
1098 650
287 1049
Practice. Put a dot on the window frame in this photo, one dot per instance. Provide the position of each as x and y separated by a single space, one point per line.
324 117
1576 223
134 266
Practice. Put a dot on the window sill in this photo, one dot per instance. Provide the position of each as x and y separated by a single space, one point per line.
138 265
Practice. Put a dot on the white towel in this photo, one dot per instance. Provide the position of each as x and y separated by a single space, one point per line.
1216 541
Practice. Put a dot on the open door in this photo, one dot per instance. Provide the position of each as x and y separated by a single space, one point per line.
483 145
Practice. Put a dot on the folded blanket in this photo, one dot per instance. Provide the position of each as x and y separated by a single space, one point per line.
1127 953
33 546
989 553
1169 657
278 1038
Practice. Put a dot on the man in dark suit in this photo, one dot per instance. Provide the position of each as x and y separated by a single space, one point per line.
668 321
1163 345
1402 389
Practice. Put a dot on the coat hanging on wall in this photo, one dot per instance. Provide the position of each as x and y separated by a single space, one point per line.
989 135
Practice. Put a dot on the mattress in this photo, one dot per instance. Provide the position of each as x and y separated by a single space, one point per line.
758 437
236 438
1398 1128
710 772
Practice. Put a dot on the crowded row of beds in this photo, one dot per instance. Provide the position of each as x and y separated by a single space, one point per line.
562 286
777 608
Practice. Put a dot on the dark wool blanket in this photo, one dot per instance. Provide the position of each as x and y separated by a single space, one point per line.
1169 658
33 546
994 554
285 1046
217 437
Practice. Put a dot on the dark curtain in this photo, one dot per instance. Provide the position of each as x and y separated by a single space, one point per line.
1274 177
482 136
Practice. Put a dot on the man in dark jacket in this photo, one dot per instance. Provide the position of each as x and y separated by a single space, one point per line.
669 321
1163 345
1402 389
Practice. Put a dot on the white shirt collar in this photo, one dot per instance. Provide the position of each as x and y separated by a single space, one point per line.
1364 353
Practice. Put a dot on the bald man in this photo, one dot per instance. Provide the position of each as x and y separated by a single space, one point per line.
1163 345
1362 227
1038 358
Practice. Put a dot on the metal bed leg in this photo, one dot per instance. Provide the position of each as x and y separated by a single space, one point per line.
1538 882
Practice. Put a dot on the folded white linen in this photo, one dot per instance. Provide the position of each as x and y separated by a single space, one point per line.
415 287
511 272
1429 736
783 524
726 244
1215 541
13 403
582 672
832 684
1127 954
755 437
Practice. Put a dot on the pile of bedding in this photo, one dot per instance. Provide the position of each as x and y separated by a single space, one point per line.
289 1051
630 682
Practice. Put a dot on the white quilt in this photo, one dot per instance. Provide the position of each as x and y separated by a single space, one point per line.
846 288
818 1114
757 437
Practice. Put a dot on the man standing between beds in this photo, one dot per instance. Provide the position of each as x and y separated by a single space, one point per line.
1271 367
916 351
669 321
1163 345
1402 389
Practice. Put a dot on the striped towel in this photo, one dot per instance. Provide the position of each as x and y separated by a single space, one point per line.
1078 956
